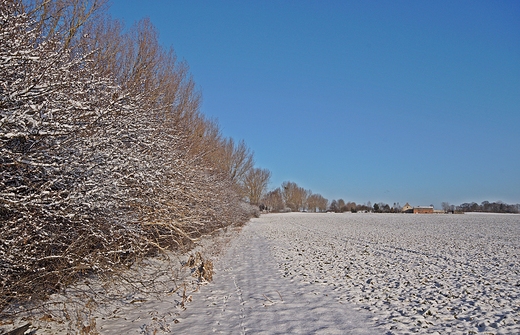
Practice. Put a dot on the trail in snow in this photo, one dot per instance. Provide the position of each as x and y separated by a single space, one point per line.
250 296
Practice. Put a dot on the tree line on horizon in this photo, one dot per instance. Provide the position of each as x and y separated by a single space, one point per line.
484 207
290 197
105 156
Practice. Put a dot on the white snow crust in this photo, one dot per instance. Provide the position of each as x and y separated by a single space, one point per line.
440 274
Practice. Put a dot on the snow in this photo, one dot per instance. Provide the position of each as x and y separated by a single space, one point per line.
386 274
305 273
250 296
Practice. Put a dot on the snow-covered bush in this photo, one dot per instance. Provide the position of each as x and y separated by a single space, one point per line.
50 106
97 167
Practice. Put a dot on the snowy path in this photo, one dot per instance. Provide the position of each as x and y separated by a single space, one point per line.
250 296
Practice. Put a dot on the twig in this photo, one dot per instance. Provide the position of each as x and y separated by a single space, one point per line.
268 298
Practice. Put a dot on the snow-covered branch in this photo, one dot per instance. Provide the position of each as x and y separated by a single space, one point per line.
104 155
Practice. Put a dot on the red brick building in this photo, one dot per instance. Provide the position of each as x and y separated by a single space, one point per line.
423 210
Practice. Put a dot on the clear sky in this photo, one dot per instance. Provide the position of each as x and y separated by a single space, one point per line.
381 101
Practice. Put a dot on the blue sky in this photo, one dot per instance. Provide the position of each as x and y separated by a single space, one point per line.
381 101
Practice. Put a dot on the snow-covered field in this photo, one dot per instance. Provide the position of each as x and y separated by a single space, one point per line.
410 273
305 273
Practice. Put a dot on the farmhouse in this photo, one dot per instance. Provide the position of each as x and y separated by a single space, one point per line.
419 209
407 208
423 210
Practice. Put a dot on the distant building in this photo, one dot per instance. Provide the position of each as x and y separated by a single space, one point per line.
407 208
423 210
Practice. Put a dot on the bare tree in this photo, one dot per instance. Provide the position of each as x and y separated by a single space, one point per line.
351 206
446 206
334 206
316 203
236 159
273 200
255 184
62 20
295 197
322 203
341 205
290 196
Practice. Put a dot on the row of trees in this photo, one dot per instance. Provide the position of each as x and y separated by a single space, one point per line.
485 206
294 198
291 197
339 206
105 156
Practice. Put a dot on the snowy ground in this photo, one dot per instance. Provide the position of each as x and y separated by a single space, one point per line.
455 274
308 273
